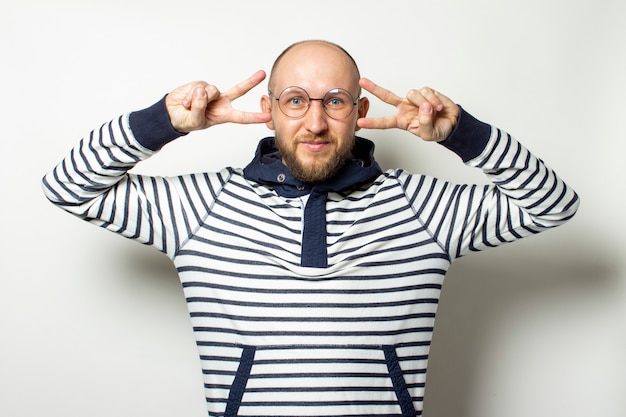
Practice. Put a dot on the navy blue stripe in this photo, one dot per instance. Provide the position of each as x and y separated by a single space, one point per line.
393 237
322 389
504 153
334 319
321 375
463 225
249 226
149 223
373 218
397 378
172 221
126 145
317 403
189 198
425 199
395 332
71 180
207 284
260 243
94 153
513 177
241 380
557 202
254 205
369 277
499 211
77 171
314 251
493 149
509 222
200 194
159 214
452 199
370 232
311 347
250 214
420 183
312 305
406 260
125 207
437 203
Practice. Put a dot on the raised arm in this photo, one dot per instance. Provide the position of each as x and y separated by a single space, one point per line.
93 181
525 197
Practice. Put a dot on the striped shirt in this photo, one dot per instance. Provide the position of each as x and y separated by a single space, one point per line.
276 338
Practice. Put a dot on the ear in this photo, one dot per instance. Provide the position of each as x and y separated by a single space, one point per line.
266 107
362 107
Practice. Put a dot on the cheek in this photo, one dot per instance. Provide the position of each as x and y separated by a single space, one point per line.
287 129
345 130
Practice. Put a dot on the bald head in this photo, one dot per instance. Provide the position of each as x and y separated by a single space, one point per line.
320 60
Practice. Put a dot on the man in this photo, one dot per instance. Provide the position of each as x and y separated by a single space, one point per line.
312 278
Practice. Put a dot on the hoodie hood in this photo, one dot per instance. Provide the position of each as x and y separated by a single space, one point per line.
267 168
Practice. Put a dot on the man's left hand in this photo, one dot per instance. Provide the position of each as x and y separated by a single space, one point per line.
425 112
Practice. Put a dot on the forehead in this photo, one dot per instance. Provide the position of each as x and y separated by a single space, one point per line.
317 68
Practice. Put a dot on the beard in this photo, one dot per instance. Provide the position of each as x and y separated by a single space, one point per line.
320 170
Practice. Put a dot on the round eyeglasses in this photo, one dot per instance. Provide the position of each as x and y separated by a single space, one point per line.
337 103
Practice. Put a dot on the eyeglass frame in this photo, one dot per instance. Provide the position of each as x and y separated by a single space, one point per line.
355 102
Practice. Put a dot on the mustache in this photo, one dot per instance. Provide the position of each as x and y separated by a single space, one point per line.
311 138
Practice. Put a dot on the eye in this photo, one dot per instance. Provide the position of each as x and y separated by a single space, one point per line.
296 101
335 102
293 101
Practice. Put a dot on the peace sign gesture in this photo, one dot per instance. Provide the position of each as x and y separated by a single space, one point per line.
198 105
425 113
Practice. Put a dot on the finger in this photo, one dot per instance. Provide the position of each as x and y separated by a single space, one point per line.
243 117
389 122
190 91
426 94
426 122
380 92
243 87
212 92
197 107
432 97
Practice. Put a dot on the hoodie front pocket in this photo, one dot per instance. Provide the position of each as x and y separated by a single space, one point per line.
322 380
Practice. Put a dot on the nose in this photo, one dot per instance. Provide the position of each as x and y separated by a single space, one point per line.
316 120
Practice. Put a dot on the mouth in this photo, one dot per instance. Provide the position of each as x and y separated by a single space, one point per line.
315 145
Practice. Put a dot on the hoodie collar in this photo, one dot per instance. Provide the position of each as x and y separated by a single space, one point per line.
267 168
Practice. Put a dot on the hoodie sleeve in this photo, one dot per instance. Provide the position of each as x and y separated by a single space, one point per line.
93 182
525 196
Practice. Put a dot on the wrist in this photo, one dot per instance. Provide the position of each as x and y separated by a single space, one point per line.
152 126
469 137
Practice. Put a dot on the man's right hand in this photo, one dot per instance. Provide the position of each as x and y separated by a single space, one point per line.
198 105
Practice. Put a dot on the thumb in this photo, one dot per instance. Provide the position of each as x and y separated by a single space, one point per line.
199 99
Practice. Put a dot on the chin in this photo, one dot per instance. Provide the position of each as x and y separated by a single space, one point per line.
316 172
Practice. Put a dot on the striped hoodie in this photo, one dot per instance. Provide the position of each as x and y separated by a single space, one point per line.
310 301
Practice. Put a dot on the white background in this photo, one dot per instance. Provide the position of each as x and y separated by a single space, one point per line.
94 325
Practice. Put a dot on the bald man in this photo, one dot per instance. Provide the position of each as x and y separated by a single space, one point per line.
312 277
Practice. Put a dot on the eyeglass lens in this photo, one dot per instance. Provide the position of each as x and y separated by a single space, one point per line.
295 102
